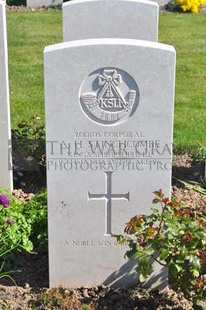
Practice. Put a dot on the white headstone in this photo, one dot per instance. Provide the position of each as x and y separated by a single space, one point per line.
36 3
161 2
109 120
6 179
90 19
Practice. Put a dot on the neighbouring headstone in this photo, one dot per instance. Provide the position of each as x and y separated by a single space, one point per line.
6 178
109 120
91 19
161 2
36 3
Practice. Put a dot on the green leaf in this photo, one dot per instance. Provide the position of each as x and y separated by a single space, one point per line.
195 273
149 251
120 239
178 267
164 253
142 278
173 270
155 211
143 261
156 200
194 261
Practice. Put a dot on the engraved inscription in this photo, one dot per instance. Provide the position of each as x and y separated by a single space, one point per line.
113 99
93 243
109 151
108 196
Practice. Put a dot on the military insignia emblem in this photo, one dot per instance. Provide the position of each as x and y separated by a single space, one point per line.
109 96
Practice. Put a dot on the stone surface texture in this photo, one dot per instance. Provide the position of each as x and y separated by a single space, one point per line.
37 3
5 127
91 19
161 2
103 160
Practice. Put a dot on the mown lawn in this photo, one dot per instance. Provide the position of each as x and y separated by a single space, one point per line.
30 32
187 33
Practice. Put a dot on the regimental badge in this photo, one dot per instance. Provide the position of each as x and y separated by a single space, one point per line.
113 99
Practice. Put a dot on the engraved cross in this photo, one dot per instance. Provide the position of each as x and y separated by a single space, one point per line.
108 197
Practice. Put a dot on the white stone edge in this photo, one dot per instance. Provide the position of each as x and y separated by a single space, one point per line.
110 41
83 1
9 182
3 3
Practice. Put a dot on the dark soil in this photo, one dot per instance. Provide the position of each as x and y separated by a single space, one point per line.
32 281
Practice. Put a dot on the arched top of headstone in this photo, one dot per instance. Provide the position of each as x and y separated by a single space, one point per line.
128 19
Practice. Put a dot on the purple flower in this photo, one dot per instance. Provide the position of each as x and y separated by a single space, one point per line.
4 200
10 221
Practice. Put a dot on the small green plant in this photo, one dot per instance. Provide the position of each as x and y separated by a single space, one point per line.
57 299
200 155
25 224
14 228
28 141
35 211
175 237
85 307
47 301
14 231
172 6
199 187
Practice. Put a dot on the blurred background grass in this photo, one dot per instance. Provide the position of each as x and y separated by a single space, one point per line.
30 32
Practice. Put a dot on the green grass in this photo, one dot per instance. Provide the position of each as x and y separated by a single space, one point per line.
187 33
30 32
